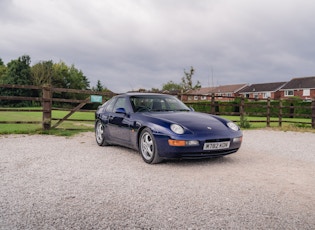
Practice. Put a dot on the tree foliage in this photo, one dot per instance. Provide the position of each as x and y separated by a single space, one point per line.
100 88
3 69
59 75
42 73
19 71
68 77
187 83
171 86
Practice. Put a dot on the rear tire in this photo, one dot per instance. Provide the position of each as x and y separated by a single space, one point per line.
100 133
147 147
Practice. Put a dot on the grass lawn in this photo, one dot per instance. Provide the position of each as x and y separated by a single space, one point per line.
293 124
68 128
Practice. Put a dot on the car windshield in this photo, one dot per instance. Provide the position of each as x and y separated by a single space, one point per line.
157 103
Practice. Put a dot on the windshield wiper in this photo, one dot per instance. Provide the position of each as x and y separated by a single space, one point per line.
169 110
181 110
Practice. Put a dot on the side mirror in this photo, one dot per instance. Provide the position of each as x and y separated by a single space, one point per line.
191 109
120 110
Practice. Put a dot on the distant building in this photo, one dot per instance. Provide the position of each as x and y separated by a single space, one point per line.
201 94
303 88
222 93
227 92
263 90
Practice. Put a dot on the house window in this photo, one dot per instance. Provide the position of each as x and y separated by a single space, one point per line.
266 95
196 98
288 93
189 98
203 97
306 92
255 95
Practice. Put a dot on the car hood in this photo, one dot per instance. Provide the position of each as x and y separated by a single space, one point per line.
192 121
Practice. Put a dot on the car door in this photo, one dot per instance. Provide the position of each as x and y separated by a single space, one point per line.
119 123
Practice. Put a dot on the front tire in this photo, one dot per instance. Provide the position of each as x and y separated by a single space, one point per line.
100 133
147 147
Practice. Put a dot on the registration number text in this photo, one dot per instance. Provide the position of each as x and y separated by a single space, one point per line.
216 145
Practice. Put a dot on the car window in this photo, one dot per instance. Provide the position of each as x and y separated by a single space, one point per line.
120 103
156 103
110 104
174 104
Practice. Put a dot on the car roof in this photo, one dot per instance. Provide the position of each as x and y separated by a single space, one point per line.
143 94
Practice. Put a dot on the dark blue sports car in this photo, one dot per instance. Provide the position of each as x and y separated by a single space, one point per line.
161 127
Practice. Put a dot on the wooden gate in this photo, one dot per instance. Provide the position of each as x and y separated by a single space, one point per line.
47 100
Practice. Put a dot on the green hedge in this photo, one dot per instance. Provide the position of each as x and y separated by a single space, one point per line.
290 108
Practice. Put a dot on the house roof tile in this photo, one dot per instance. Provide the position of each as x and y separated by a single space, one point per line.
219 89
228 88
300 83
201 91
263 87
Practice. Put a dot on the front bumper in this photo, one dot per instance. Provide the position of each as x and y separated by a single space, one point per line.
190 152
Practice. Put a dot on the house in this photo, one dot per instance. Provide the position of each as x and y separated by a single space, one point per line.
221 93
263 90
303 88
227 92
198 94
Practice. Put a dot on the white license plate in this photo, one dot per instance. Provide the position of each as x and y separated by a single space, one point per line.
216 145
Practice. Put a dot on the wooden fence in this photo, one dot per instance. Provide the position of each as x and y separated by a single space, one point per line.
239 107
269 110
46 99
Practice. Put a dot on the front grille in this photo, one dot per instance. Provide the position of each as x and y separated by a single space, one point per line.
218 140
215 153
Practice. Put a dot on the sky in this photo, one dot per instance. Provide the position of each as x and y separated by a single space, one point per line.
133 44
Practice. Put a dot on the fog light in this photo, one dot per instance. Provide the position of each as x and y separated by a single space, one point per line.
192 143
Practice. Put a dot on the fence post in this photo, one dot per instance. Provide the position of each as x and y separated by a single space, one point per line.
47 104
268 112
242 108
212 104
313 113
280 113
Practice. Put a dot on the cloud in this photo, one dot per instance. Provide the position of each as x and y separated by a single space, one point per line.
131 44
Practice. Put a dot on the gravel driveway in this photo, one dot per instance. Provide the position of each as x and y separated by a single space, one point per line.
50 182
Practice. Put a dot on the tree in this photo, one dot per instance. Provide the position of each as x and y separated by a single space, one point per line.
60 70
75 79
154 90
3 69
187 83
68 77
171 86
19 71
42 73
99 86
